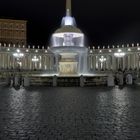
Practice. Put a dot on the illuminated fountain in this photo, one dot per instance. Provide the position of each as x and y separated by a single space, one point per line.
68 46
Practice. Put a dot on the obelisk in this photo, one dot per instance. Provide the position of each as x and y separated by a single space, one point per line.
68 7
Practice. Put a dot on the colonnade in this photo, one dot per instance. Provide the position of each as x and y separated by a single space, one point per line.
97 61
8 61
129 61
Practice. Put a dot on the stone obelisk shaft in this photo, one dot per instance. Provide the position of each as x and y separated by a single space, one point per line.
68 7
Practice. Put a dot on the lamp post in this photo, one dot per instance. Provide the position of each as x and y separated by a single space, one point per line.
119 55
102 59
35 60
18 55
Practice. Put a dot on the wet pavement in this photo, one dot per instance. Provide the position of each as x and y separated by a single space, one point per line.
69 113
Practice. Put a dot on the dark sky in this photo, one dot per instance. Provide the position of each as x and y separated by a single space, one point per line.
103 21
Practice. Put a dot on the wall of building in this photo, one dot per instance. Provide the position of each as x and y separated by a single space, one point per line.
13 31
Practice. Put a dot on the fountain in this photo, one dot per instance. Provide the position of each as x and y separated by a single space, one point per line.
68 46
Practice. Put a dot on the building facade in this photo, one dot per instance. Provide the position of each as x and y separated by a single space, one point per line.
114 58
100 59
13 31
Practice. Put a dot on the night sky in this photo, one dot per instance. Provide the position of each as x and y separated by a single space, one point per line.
105 22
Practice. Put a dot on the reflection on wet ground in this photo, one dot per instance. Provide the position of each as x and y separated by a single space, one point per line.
69 113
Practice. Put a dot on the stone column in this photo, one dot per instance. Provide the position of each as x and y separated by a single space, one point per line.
52 62
124 58
97 63
137 62
40 62
128 61
1 61
113 62
46 67
57 63
30 61
8 64
133 61
94 62
89 61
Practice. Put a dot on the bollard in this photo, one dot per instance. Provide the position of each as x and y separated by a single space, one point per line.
26 81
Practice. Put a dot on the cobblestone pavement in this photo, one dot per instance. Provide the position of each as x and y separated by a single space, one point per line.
68 113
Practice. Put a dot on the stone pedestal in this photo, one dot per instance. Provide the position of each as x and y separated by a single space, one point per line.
110 81
81 81
129 79
26 82
16 81
54 81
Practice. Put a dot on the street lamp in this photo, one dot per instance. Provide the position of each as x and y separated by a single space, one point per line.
35 60
119 53
102 59
18 54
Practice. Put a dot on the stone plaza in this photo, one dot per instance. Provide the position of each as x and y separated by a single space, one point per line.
70 113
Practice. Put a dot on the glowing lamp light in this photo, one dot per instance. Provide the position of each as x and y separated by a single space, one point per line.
8 49
119 54
18 55
138 48
18 50
20 63
119 50
35 59
129 49
102 59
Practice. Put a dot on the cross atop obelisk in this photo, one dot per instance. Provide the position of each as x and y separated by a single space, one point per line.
68 7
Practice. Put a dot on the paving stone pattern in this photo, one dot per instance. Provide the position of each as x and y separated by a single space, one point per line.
69 113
